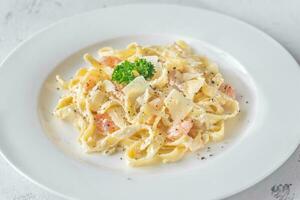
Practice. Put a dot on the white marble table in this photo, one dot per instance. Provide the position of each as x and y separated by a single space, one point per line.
280 18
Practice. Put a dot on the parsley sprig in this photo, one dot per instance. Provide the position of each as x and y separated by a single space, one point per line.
127 71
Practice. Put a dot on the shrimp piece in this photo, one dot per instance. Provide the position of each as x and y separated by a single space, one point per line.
104 123
177 130
110 61
89 84
227 89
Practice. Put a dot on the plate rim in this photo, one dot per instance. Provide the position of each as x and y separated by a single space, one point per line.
46 28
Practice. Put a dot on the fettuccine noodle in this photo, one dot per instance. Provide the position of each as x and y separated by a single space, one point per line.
178 110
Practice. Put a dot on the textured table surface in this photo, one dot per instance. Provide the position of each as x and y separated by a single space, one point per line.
280 19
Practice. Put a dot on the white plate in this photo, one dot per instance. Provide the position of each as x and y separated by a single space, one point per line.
44 149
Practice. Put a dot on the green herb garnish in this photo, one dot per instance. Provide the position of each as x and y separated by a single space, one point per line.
127 71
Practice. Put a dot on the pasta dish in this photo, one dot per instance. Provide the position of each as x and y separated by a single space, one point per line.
155 103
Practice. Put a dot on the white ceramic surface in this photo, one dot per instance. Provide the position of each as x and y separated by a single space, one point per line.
65 137
261 53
